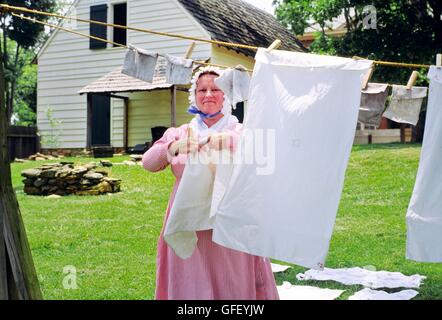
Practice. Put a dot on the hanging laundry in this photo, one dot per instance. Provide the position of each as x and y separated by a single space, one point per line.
191 209
424 215
287 291
178 70
192 204
369 294
373 103
140 63
405 105
235 82
367 278
283 203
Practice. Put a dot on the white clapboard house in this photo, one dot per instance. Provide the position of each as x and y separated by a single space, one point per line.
80 79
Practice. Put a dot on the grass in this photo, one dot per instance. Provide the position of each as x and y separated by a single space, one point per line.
111 240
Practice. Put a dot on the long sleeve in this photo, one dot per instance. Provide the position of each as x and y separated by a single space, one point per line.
157 157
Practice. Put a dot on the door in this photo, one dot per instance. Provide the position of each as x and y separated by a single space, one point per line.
100 120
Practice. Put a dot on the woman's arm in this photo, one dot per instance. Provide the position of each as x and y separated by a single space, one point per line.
157 158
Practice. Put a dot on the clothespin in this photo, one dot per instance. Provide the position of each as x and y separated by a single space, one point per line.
367 77
412 79
190 50
190 133
439 60
240 67
275 45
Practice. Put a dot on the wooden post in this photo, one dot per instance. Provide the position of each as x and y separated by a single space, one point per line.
3 278
367 78
412 80
126 124
190 50
22 281
402 133
173 106
89 121
275 45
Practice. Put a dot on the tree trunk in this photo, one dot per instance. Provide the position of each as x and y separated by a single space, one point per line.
3 279
21 278
11 93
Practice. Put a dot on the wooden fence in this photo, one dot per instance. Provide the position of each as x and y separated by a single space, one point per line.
22 142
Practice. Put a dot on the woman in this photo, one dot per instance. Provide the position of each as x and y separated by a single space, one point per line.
213 271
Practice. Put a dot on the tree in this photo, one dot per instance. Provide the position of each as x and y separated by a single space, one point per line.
406 31
18 279
25 95
26 35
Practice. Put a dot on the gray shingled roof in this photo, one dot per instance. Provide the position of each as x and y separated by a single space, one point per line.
115 81
240 22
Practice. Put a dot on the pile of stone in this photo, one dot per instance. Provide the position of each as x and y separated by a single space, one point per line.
135 159
64 179
41 157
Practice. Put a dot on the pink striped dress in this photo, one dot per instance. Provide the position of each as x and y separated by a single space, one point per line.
213 271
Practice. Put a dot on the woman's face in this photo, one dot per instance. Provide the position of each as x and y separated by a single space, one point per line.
209 98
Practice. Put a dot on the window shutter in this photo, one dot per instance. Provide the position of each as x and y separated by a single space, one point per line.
98 13
120 17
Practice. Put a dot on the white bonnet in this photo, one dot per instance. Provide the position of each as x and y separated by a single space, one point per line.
227 107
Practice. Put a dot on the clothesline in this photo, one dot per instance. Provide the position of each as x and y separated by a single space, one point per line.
230 44
238 45
104 40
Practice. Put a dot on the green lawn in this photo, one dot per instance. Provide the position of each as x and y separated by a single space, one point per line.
111 240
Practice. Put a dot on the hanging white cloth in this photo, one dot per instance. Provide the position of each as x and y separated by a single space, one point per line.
373 103
369 294
140 63
368 278
405 105
178 70
424 215
283 204
191 207
235 83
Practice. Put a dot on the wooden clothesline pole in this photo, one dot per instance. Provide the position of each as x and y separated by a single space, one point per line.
18 278
412 80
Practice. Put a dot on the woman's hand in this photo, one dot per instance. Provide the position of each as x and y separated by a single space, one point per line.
185 145
220 141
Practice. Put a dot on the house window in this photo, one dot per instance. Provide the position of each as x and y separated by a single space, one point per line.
98 13
120 18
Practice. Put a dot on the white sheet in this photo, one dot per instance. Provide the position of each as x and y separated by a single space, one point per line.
285 207
369 294
287 291
368 278
424 215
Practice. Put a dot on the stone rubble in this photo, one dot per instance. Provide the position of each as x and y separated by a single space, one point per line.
64 179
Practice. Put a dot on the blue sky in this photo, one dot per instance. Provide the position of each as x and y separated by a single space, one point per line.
262 4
